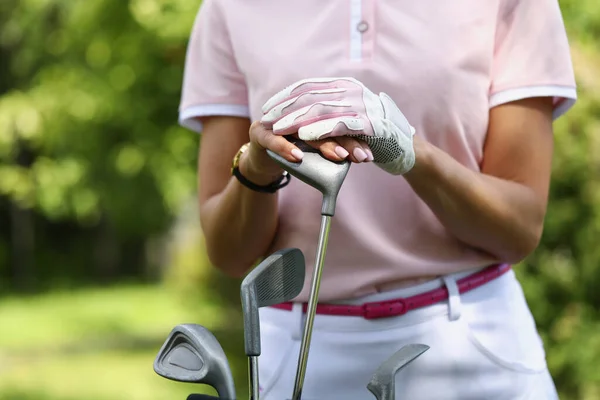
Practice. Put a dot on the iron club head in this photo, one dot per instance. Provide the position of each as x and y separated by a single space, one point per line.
324 175
277 279
191 353
383 383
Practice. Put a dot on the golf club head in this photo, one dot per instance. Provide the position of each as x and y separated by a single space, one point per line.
324 175
191 353
203 397
277 279
383 383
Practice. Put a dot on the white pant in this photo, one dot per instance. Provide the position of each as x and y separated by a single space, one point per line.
483 346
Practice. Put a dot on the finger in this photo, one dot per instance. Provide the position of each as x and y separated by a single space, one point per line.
310 114
332 127
339 149
306 85
330 149
295 88
359 150
300 101
278 144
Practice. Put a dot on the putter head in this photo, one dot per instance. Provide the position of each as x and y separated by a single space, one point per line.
324 175
277 279
191 353
383 383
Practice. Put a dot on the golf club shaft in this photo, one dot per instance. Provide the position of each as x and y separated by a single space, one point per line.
253 378
312 306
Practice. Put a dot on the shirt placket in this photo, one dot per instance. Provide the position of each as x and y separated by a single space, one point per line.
362 29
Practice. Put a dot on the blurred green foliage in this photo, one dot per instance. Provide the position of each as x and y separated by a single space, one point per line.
89 143
96 179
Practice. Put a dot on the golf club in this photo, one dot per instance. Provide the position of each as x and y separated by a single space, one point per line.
191 353
383 383
202 397
277 279
327 177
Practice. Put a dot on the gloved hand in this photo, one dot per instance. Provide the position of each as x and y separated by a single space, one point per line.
328 107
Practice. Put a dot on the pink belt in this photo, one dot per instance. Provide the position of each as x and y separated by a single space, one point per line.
396 307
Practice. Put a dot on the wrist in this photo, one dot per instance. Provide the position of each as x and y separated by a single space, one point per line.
256 166
423 156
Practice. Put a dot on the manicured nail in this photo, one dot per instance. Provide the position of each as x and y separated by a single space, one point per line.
359 154
369 155
341 152
297 154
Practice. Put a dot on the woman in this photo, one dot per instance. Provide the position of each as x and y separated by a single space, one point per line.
480 83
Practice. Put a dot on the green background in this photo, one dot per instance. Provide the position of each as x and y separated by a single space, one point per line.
100 250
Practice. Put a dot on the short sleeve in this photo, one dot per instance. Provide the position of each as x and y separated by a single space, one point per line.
212 81
532 57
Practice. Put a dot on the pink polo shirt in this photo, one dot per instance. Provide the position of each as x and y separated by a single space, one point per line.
445 63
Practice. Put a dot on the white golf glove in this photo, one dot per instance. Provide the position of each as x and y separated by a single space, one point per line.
328 107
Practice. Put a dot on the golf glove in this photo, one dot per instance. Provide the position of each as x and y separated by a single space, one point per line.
321 108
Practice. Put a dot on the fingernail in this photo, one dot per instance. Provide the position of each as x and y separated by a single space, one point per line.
360 154
297 154
341 152
369 155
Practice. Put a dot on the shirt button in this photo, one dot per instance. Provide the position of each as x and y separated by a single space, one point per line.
362 27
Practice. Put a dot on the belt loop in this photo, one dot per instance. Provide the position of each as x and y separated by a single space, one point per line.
298 320
453 298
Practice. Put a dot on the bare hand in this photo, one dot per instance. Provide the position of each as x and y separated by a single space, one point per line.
259 164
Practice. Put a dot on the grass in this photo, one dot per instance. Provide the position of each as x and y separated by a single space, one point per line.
100 344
